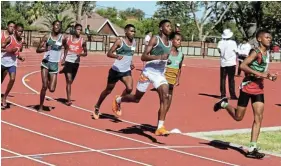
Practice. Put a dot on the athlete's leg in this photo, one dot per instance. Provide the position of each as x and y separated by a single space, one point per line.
142 86
44 76
53 81
258 108
12 74
69 80
109 87
70 71
128 82
236 113
4 72
171 89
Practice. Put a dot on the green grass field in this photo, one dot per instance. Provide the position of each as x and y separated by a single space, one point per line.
268 141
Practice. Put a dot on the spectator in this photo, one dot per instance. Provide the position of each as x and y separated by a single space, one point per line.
275 51
244 49
177 28
227 48
148 35
87 32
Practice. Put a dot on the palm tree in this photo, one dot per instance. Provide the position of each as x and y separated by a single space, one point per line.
66 21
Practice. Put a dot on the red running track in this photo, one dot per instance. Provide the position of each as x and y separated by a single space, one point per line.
68 135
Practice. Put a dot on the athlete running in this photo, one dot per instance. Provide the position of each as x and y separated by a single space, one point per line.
121 69
173 70
255 67
75 48
156 56
11 47
50 44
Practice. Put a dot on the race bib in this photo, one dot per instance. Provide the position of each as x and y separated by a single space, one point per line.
58 43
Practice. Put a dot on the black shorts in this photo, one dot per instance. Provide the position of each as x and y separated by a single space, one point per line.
171 87
242 58
115 76
72 68
244 98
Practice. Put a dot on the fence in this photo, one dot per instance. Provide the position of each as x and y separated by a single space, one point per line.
104 42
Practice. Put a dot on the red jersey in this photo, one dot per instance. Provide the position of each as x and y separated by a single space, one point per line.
15 44
75 47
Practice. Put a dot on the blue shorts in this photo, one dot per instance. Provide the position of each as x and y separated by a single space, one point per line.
11 69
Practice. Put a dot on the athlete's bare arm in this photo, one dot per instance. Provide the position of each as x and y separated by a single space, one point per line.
4 45
65 50
111 51
146 54
178 78
42 47
245 65
21 58
84 46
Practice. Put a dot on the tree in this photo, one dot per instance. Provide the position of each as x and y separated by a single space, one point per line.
110 13
36 10
82 7
251 16
173 10
132 13
212 11
176 12
65 20
9 13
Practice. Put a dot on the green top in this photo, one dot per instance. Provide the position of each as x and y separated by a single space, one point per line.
160 48
175 60
126 50
56 45
261 63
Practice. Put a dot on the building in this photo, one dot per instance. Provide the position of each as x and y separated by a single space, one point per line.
98 24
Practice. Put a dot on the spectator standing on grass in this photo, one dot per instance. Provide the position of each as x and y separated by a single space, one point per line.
227 49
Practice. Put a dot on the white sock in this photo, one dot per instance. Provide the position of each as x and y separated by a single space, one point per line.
160 124
118 99
224 104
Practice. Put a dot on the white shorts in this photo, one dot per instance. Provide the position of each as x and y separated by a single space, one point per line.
147 77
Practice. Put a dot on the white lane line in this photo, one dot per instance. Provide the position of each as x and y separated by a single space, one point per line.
232 131
128 138
39 155
23 93
39 161
73 144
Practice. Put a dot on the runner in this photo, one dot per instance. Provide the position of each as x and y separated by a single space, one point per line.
121 69
11 48
156 55
255 67
173 70
50 44
6 33
75 48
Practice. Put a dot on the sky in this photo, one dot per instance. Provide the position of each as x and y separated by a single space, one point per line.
148 7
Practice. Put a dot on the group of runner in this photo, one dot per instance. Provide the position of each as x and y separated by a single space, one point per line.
163 62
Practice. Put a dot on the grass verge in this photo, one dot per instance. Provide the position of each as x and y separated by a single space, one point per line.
268 141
